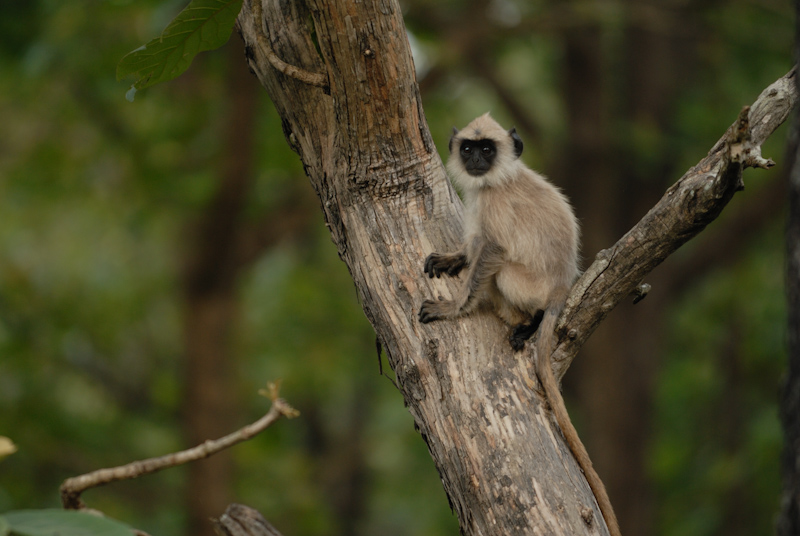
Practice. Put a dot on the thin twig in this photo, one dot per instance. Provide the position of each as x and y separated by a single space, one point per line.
314 79
72 488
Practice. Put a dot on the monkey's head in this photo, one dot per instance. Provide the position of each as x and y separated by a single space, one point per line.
483 150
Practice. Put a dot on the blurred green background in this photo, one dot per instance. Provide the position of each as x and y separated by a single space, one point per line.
161 260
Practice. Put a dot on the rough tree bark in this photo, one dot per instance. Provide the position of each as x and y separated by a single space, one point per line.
342 79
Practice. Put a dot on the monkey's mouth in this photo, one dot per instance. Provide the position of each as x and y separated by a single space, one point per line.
476 172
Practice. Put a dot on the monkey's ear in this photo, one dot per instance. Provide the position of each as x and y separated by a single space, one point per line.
517 142
450 145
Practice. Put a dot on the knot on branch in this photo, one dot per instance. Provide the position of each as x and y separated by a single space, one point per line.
640 292
741 148
313 79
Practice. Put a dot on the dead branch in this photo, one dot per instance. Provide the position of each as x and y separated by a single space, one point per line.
72 488
684 210
726 242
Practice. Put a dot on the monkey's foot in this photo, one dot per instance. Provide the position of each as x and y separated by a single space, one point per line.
517 342
437 264
434 310
523 332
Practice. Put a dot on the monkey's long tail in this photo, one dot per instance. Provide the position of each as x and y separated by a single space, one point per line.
544 369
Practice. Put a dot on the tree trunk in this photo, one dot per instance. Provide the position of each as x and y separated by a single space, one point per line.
387 202
351 109
222 245
789 518
210 272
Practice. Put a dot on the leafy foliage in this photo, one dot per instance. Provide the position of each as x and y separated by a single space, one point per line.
202 25
60 523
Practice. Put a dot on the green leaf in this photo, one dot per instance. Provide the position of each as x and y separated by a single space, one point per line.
202 25
61 523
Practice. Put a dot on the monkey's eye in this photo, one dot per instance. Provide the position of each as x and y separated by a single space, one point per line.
486 149
466 149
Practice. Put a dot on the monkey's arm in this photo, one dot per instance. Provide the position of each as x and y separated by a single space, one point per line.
488 260
446 263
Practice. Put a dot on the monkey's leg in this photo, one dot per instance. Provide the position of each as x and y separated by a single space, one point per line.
488 261
522 332
443 263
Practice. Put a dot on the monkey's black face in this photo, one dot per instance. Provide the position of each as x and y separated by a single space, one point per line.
478 156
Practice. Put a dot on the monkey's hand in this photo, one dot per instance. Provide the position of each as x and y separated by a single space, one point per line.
435 310
437 264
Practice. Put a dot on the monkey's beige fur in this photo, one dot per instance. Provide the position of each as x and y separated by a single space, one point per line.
521 212
521 257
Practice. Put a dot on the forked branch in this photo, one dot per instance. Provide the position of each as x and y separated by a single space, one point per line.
684 210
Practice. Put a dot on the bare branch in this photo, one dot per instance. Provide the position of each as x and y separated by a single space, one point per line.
726 241
686 208
72 488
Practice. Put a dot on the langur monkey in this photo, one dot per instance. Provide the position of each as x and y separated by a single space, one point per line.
520 255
